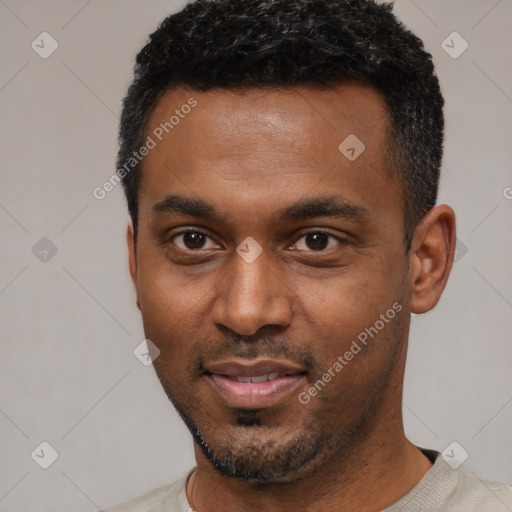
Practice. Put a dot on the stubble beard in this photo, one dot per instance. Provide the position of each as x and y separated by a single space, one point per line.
314 444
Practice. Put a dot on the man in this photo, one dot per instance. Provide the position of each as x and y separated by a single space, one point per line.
280 160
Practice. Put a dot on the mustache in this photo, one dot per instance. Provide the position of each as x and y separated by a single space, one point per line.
252 347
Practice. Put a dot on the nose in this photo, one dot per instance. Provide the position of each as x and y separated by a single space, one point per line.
251 296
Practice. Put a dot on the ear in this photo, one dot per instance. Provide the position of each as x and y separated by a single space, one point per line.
132 258
432 253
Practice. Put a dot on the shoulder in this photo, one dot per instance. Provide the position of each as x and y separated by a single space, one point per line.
448 489
167 498
474 494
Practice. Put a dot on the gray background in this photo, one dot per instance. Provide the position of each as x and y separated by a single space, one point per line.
70 325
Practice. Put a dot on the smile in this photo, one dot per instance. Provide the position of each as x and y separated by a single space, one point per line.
254 385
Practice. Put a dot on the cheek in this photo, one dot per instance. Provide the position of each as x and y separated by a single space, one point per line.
165 309
176 316
343 316
346 301
166 296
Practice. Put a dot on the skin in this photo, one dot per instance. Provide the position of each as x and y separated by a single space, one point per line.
305 298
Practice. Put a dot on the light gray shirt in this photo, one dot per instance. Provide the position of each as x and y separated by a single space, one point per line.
442 489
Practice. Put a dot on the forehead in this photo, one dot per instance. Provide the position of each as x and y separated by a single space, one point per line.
296 115
261 145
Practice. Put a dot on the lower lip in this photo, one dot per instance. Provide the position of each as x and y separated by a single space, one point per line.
254 395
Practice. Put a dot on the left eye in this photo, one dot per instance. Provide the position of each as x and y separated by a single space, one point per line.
318 241
192 240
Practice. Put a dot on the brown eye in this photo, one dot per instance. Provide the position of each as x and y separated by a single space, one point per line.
318 241
192 240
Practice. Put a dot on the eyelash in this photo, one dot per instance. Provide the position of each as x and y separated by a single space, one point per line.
342 240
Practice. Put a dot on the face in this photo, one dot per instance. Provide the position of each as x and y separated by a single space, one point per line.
271 272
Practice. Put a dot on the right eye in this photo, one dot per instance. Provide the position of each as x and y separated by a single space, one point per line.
190 240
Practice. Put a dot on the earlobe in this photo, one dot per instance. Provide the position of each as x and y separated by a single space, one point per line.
132 257
432 253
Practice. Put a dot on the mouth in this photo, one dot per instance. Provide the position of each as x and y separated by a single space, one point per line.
254 385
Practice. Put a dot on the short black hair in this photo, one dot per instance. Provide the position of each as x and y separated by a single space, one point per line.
235 44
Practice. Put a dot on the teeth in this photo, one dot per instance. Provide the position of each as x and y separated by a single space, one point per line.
258 378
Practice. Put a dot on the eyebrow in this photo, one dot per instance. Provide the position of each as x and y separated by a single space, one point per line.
325 206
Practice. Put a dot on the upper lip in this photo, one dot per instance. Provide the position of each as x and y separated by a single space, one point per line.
244 368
